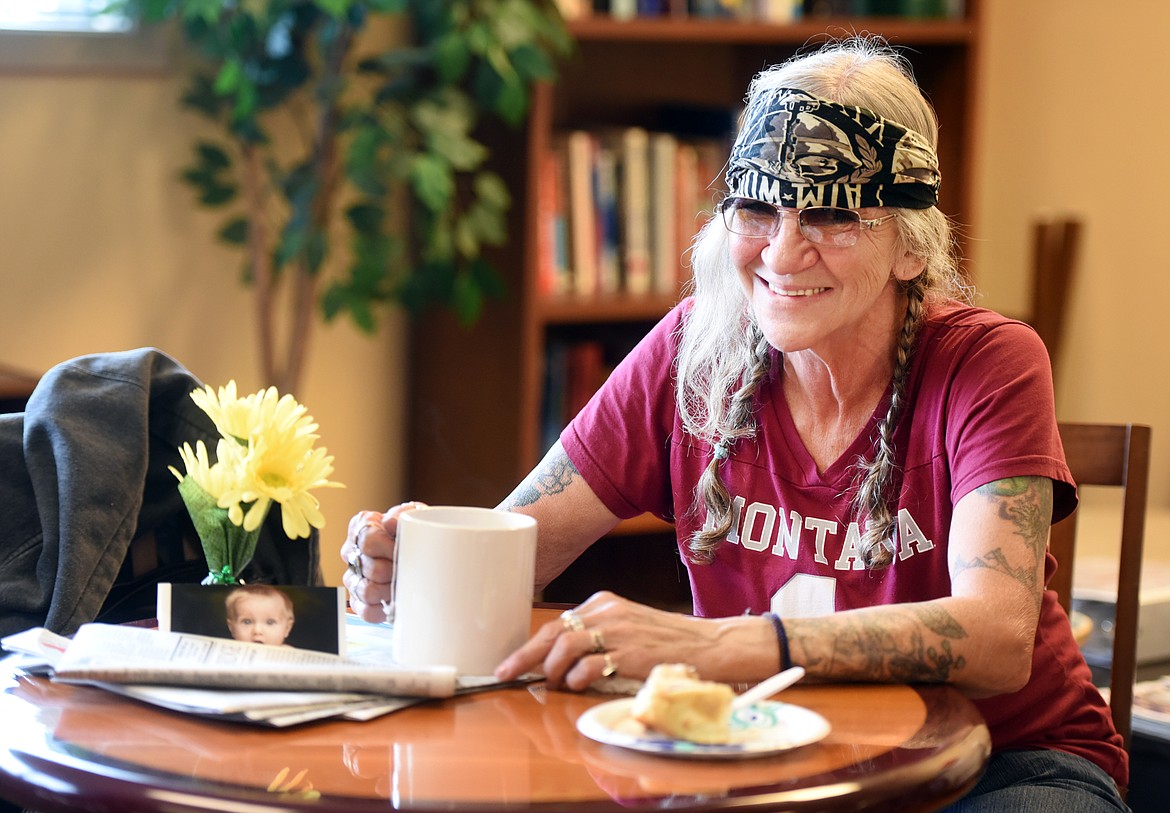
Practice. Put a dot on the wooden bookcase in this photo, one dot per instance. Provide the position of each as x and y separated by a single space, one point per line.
476 394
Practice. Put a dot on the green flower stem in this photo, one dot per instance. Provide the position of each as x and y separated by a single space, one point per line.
227 547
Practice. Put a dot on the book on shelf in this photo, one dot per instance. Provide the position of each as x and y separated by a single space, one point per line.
608 219
552 415
581 157
664 204
574 371
627 202
768 11
619 9
575 9
585 373
553 231
635 196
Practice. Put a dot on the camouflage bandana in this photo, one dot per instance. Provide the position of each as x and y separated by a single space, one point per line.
798 150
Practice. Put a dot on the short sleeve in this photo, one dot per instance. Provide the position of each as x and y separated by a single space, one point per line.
1003 417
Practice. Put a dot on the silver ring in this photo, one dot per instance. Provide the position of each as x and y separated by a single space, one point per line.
610 668
598 641
571 621
355 563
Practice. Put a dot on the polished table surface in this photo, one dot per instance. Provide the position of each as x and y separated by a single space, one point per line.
898 748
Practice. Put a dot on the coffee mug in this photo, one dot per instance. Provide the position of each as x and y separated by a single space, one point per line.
463 586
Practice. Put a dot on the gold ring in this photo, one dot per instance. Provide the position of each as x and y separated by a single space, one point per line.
610 668
571 621
355 563
598 641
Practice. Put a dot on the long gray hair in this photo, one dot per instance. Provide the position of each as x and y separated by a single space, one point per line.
723 356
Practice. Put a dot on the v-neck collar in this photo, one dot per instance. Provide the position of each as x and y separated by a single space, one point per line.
841 472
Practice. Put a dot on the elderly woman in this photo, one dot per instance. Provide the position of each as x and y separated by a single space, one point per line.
861 468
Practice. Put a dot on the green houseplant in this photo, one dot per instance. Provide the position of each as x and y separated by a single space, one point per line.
349 167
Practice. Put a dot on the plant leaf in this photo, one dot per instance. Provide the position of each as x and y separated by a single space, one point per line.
431 180
467 299
235 232
366 218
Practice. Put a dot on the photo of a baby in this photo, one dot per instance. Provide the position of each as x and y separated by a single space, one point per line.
259 613
273 615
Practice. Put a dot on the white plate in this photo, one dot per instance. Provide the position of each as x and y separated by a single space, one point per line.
764 728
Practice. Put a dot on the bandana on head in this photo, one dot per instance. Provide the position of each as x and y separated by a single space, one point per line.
798 150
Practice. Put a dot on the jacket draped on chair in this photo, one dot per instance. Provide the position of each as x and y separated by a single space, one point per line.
84 471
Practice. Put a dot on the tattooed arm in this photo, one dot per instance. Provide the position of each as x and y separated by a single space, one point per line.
981 636
569 516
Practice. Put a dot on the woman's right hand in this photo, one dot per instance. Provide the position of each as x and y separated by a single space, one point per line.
368 552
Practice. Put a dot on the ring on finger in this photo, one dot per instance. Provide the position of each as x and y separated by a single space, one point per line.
368 526
355 563
598 641
571 621
610 668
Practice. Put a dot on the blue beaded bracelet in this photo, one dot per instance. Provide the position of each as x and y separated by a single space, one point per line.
782 639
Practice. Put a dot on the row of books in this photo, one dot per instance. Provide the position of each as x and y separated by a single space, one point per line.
574 370
620 207
772 11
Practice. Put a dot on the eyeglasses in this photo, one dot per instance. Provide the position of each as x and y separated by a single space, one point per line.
824 225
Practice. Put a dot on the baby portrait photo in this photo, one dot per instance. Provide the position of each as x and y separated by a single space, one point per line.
274 615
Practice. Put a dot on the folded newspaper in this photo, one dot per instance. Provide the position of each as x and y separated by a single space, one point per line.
112 653
228 679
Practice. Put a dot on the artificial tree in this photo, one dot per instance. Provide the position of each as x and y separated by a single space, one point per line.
323 126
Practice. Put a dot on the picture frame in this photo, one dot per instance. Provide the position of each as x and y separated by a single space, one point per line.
276 614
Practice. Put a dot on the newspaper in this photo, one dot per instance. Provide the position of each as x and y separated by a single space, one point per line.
230 680
111 653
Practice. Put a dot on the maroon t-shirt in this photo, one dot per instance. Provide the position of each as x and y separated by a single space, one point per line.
980 408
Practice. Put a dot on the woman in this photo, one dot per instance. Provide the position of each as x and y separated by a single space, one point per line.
862 469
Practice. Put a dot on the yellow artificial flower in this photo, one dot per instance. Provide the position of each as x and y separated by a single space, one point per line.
266 410
218 479
283 469
267 455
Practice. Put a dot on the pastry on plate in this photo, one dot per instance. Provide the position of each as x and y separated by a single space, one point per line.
676 702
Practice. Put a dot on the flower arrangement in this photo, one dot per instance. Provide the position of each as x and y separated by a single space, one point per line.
266 454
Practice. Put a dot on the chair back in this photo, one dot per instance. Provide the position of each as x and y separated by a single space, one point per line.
1055 244
1110 455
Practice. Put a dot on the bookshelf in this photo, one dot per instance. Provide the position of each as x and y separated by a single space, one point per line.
478 396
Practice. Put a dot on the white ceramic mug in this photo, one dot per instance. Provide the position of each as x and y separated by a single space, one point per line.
463 586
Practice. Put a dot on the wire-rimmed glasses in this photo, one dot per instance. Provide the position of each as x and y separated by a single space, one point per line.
824 225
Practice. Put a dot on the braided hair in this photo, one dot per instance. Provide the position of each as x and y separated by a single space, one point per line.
877 476
740 424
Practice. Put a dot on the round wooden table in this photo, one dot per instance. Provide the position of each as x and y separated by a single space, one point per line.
897 748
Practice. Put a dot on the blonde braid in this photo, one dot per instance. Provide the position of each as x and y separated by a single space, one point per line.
871 504
738 424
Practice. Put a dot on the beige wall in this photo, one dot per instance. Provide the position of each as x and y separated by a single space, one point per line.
1075 113
102 250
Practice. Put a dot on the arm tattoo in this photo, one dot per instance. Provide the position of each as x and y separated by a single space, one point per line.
869 649
1026 502
553 476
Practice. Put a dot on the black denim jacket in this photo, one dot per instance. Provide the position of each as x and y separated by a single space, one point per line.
83 472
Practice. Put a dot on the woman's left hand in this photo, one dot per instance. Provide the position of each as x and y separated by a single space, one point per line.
610 636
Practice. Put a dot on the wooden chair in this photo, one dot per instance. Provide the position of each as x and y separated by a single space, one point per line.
1110 455
1055 245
